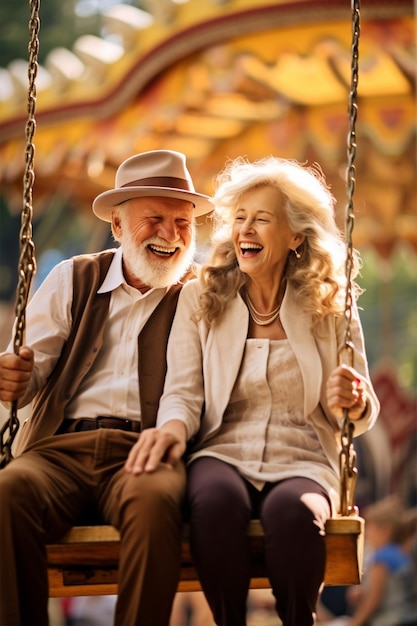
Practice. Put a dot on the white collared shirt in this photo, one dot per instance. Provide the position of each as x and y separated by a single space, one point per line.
111 387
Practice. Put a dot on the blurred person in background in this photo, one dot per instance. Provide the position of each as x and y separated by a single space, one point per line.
388 593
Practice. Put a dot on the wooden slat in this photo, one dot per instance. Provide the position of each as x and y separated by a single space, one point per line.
85 561
344 551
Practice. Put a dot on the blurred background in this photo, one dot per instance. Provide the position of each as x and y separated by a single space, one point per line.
216 79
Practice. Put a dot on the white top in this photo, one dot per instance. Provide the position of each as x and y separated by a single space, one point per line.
111 386
264 432
204 361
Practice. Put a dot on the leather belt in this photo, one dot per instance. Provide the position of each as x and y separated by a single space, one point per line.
94 423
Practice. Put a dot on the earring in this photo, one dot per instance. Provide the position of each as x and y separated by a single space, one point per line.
297 254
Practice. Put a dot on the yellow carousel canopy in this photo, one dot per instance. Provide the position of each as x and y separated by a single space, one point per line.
220 79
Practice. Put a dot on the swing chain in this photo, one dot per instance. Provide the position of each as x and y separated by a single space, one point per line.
347 459
348 470
27 262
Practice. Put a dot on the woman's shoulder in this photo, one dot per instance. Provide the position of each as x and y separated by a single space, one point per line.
190 293
191 287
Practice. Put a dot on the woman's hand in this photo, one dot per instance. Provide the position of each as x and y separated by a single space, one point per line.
15 373
157 445
346 390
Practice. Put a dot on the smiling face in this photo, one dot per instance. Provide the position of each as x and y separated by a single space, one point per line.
157 237
260 233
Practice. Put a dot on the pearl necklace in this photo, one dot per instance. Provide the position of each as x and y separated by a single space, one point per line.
262 319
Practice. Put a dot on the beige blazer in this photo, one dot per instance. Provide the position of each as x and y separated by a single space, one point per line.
203 364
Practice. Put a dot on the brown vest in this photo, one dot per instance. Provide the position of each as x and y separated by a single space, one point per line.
89 316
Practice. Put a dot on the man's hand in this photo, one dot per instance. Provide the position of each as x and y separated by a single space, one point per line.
15 373
157 445
346 390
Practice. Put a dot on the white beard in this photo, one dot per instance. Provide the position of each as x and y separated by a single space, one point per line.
154 272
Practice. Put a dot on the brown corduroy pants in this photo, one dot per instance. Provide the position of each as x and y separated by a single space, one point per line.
66 477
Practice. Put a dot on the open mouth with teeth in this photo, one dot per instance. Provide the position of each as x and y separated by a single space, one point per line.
162 251
250 249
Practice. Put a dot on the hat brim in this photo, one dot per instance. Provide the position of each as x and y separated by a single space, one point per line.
107 201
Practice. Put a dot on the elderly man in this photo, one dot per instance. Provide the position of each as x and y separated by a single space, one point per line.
94 367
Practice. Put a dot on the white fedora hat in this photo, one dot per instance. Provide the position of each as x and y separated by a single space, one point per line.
155 173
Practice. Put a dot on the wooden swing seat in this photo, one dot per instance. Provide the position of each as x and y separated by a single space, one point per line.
85 561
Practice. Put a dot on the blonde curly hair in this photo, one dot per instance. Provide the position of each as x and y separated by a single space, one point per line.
319 276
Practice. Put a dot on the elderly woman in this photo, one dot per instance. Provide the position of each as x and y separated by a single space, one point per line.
255 387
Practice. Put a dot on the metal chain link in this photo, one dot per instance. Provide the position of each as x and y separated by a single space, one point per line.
27 262
347 459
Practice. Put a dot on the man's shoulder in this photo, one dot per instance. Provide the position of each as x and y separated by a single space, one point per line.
92 257
94 261
89 271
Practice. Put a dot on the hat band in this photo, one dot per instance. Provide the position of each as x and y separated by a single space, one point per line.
161 181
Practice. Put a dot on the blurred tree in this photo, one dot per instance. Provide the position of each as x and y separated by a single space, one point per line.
388 310
60 25
62 22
